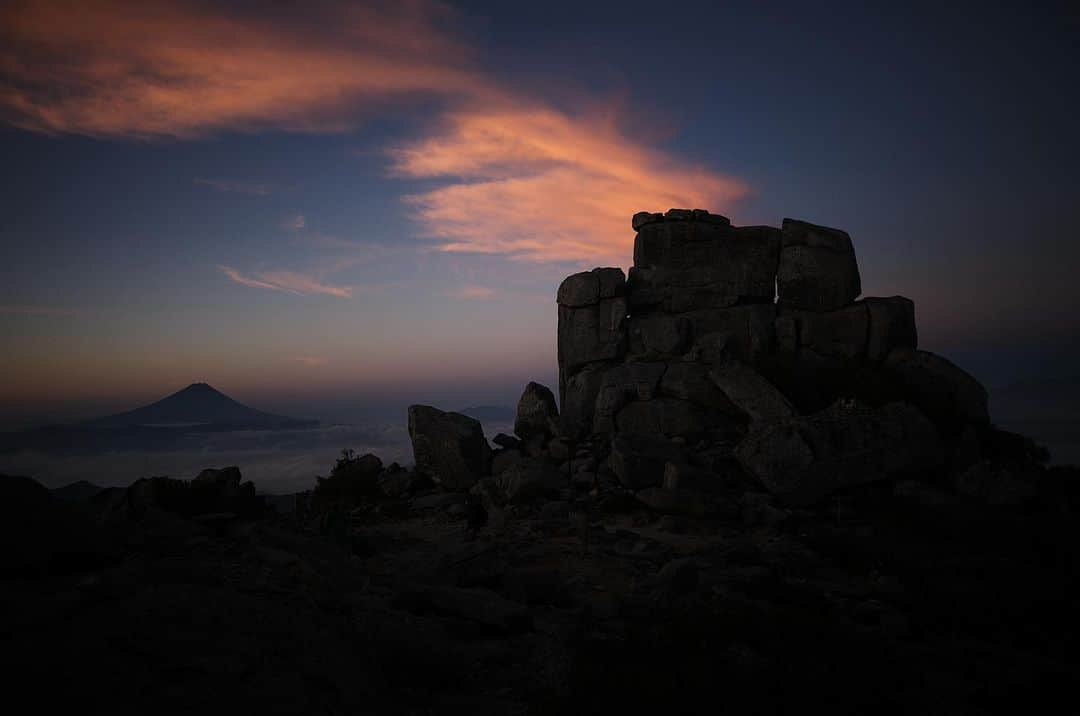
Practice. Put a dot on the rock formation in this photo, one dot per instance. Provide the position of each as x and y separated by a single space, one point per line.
735 339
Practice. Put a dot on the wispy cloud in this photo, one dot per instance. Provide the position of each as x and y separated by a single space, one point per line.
294 223
236 187
311 361
473 292
29 310
288 281
518 176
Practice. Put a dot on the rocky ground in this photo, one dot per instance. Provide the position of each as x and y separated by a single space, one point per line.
174 597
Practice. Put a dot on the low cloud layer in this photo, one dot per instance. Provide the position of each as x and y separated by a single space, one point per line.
519 177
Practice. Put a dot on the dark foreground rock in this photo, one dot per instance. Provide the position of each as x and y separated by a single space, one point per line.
560 607
449 447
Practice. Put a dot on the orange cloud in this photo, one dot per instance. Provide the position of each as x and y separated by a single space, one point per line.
150 68
521 177
288 281
311 361
538 184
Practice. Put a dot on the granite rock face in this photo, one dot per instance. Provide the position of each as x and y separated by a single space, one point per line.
723 335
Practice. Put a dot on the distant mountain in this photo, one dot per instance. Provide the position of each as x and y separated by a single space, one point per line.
177 422
489 413
198 404
76 491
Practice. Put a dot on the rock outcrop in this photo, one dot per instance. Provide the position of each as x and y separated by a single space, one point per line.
725 336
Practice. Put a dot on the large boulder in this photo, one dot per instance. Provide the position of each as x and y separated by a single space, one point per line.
352 480
942 390
818 270
694 262
802 460
537 413
590 287
750 394
450 448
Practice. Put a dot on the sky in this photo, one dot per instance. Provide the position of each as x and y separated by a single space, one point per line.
328 208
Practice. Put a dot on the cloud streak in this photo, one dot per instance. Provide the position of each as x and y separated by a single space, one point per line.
516 176
287 281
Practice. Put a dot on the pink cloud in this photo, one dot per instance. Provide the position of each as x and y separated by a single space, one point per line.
519 177
288 281
151 68
311 361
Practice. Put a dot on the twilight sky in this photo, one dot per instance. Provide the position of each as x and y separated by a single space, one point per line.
323 207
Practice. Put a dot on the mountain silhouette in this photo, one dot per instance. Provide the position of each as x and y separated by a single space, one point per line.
181 421
199 404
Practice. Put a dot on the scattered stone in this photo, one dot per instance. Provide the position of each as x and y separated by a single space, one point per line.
448 447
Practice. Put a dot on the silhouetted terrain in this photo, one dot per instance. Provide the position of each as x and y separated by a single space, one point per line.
744 503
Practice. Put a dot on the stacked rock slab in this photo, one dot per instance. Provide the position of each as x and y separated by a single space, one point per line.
592 336
720 334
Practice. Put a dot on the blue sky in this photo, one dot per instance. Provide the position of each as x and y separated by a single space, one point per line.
222 192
